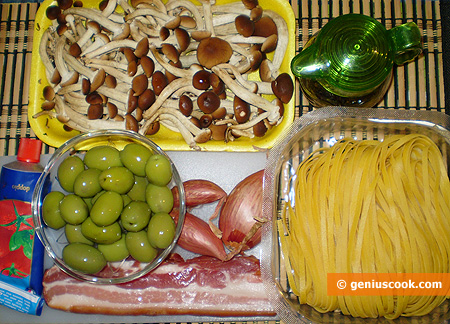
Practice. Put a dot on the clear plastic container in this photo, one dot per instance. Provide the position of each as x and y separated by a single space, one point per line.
322 128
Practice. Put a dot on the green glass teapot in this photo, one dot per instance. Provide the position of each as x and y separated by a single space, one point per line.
349 61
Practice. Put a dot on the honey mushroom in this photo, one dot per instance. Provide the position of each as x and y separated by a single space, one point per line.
177 64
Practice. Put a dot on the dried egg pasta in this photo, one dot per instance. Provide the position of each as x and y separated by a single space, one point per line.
368 207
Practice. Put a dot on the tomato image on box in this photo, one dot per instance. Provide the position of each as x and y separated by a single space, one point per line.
21 252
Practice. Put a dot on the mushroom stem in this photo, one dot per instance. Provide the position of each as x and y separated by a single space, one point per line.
208 17
49 68
173 4
67 77
283 38
248 96
125 6
168 90
182 73
117 73
252 122
119 30
69 88
250 85
110 8
142 12
111 46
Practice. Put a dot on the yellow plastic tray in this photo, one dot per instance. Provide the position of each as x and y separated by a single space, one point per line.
51 131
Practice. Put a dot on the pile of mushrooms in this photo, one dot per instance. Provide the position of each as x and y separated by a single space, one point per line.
179 65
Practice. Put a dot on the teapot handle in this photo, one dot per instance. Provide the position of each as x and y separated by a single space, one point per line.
407 43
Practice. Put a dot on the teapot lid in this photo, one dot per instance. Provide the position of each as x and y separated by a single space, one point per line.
355 55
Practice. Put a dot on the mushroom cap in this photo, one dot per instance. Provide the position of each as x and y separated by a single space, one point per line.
102 37
146 99
200 80
265 27
147 65
65 4
49 93
164 33
135 3
198 35
159 82
241 110
112 110
260 129
212 51
244 25
173 23
170 52
183 39
52 12
71 78
188 22
94 26
85 86
185 105
283 87
110 81
256 13
208 102
98 79
270 44
250 4
141 48
139 84
75 50
95 111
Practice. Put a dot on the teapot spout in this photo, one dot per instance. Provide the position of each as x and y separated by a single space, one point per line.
307 65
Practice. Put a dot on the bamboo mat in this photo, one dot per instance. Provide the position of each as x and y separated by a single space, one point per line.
418 85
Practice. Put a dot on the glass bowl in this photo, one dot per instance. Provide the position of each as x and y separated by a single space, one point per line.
323 128
54 240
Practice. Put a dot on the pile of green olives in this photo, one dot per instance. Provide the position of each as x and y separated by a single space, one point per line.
116 204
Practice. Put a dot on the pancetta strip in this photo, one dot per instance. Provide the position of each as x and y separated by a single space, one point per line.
199 286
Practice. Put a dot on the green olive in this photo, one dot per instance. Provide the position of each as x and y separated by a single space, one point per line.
101 234
107 208
118 179
135 216
83 257
102 157
73 209
139 246
126 199
68 170
134 156
137 192
158 170
116 251
74 235
51 213
160 199
161 230
87 183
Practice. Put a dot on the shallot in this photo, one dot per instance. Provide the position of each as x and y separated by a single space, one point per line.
200 192
241 216
196 236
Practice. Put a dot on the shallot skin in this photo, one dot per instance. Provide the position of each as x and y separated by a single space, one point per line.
196 236
242 213
199 192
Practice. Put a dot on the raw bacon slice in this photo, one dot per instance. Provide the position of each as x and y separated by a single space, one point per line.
199 286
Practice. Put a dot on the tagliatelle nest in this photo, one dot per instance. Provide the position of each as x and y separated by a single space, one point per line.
176 64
